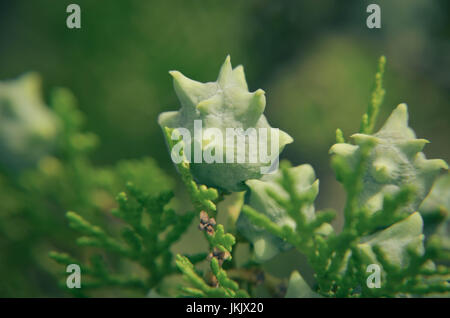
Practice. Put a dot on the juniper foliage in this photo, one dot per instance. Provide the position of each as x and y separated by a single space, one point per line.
149 229
396 214
381 223
388 182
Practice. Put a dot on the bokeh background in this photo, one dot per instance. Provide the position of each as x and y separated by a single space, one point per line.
316 61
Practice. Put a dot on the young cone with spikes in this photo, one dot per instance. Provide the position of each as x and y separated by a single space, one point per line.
395 161
260 198
223 104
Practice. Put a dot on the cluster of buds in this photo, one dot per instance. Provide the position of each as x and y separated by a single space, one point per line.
206 223
220 255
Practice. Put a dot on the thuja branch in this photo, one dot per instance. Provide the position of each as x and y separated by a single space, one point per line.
204 200
369 119
202 197
149 229
381 198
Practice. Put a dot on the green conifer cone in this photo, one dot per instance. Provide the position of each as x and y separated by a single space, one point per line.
223 104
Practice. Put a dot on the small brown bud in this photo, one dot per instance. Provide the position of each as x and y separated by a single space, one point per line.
206 224
204 217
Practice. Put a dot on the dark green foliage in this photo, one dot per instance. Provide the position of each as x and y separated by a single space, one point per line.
148 230
34 201
225 286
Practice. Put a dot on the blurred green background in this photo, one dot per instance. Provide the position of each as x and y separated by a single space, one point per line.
316 61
